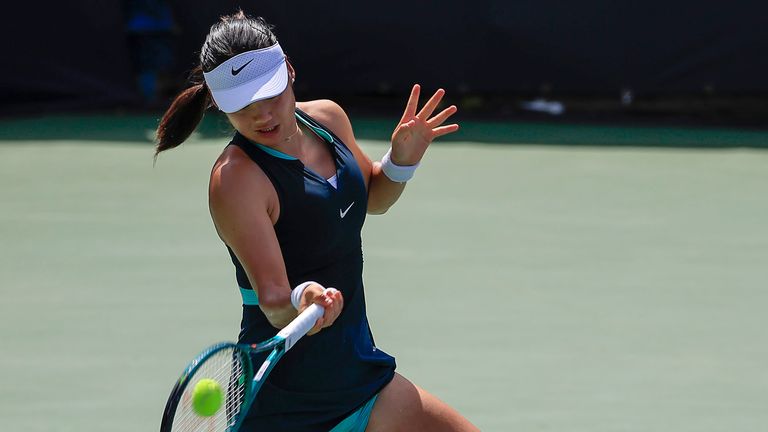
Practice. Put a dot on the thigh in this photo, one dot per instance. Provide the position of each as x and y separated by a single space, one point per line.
403 406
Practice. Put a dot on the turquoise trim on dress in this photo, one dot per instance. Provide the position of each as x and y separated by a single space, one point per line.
358 420
323 134
250 298
275 153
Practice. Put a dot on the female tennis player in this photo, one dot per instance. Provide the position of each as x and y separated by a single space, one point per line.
288 197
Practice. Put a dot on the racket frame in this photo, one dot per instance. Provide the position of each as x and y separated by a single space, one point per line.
184 380
279 344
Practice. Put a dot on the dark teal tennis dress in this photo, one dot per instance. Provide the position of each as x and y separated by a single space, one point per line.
325 377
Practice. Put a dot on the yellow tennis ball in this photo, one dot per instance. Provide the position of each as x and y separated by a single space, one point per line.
207 397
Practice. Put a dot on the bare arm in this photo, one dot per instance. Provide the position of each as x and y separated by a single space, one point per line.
382 192
242 208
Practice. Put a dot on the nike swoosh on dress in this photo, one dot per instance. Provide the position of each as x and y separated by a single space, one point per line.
344 213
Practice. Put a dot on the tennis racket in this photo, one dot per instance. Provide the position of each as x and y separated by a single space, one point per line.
230 366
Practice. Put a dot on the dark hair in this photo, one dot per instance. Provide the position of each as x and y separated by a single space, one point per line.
232 35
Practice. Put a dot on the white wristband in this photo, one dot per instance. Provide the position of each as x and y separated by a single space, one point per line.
298 291
397 173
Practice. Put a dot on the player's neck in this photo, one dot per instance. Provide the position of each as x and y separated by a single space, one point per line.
294 144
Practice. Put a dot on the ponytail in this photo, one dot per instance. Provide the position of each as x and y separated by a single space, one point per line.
184 114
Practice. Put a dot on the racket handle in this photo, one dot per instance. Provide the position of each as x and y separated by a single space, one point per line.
303 323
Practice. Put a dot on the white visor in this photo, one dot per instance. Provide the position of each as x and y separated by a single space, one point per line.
248 77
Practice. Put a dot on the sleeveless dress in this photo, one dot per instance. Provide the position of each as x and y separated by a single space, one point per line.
327 376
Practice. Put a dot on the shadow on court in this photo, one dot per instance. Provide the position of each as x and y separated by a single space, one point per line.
570 134
128 128
141 128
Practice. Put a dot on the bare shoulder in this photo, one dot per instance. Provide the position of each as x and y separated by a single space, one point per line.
233 168
236 181
330 114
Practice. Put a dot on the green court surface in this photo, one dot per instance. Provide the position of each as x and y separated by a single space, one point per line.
617 283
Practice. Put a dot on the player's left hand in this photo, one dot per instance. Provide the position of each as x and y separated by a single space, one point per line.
417 130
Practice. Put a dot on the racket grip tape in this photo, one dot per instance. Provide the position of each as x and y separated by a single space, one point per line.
303 323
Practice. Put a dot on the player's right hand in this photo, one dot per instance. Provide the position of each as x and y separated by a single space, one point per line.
331 299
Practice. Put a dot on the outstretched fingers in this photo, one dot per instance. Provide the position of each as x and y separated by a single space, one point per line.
444 130
431 104
413 103
418 130
443 116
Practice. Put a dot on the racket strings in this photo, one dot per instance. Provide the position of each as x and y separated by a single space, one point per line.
227 368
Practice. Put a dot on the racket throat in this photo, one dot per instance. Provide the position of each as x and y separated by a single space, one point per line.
262 370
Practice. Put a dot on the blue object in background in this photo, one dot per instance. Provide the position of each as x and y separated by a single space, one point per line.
150 28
